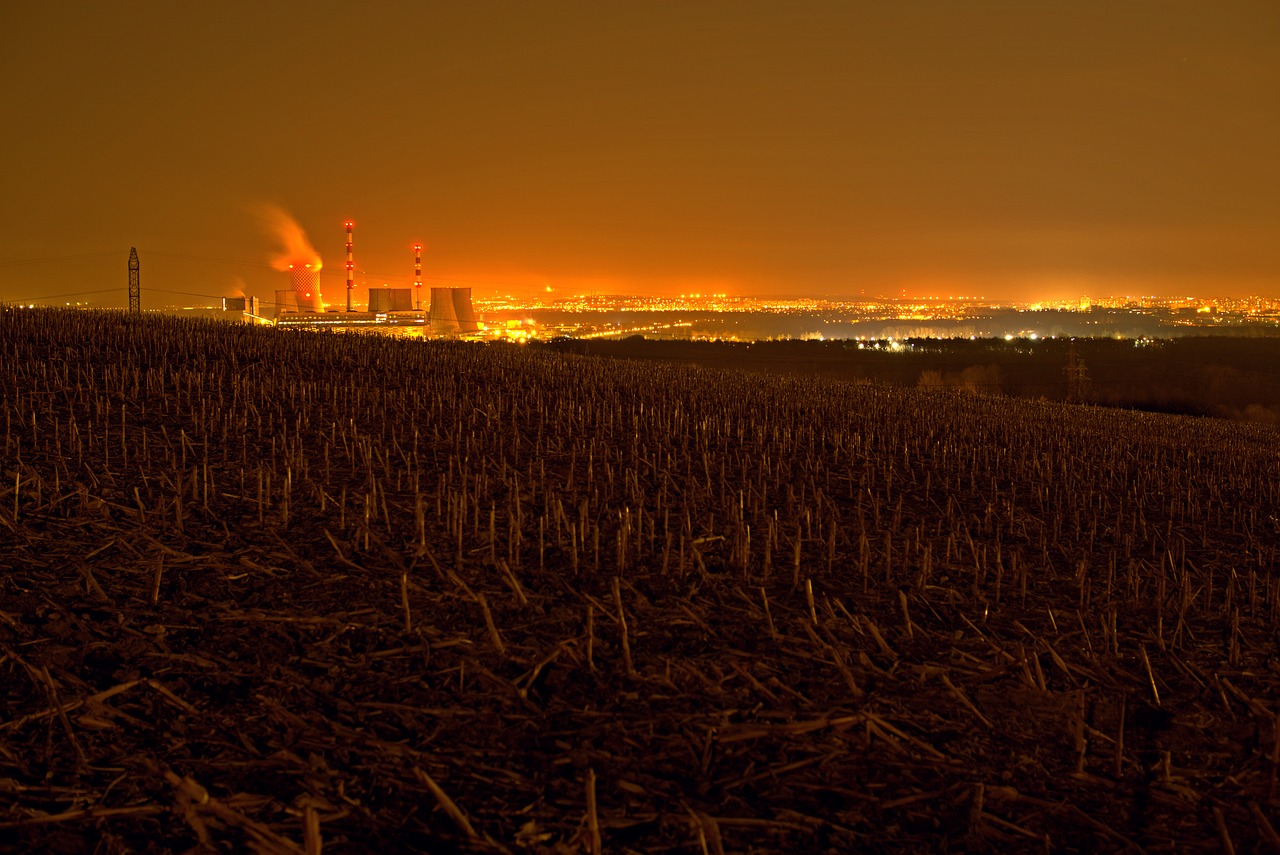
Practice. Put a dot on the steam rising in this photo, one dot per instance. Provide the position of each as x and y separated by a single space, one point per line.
295 247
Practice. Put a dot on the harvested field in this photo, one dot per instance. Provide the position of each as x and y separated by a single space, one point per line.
307 592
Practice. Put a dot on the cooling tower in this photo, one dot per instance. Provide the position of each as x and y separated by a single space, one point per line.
390 299
443 317
286 301
462 309
451 312
306 285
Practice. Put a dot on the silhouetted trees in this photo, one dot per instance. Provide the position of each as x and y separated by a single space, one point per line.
1236 378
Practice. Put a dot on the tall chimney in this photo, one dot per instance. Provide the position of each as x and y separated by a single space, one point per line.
351 267
417 276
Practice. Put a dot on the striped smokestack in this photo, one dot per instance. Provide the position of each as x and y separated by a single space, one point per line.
351 266
417 276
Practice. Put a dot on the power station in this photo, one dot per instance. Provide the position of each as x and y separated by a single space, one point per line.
449 313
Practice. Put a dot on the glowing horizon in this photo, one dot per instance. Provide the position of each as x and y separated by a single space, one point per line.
1021 152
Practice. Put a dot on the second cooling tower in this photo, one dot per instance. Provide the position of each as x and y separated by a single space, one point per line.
390 300
451 312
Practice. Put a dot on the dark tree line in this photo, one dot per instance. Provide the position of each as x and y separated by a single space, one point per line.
1236 378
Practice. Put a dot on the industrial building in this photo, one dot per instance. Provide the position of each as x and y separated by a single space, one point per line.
250 308
449 314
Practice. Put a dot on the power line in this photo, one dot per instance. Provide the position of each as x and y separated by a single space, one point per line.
207 296
209 258
55 258
375 274
60 296
183 293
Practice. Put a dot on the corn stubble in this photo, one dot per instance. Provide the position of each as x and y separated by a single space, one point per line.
294 592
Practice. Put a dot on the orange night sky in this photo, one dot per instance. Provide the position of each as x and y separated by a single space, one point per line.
1018 150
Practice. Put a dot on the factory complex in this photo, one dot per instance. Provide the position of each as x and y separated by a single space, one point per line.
390 310
448 311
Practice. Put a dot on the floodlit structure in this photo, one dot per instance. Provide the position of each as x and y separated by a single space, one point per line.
451 312
390 310
306 286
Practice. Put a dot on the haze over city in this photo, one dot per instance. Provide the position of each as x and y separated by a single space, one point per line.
922 149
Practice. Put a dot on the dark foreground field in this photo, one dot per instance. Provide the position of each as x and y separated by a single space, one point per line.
294 592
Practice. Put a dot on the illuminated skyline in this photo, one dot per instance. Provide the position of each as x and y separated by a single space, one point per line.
1013 150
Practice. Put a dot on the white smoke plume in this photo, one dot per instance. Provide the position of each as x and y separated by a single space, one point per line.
295 248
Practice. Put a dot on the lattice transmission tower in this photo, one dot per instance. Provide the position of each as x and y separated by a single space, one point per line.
1077 375
135 285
